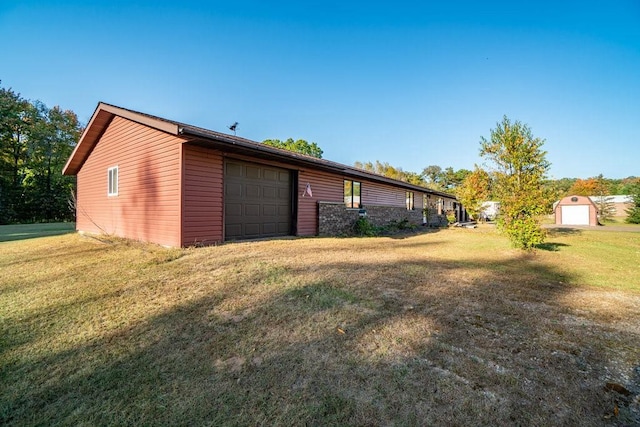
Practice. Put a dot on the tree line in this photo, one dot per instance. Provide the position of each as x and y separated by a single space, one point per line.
516 177
450 180
35 143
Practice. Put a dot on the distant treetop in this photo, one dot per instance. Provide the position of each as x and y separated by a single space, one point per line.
299 146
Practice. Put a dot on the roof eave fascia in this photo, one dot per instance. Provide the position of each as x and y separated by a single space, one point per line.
74 164
316 163
154 122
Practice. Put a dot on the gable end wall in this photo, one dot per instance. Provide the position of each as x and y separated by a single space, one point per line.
147 207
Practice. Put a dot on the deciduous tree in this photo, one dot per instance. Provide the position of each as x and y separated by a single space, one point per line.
433 176
35 142
586 187
520 167
475 190
15 125
298 146
385 169
54 135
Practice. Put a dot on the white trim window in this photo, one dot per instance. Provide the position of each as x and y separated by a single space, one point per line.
409 198
112 181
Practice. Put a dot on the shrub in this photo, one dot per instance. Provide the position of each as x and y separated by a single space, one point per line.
524 233
363 227
401 225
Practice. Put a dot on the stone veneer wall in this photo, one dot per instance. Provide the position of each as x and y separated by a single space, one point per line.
335 219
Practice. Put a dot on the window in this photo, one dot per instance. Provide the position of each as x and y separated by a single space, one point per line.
352 191
410 201
112 185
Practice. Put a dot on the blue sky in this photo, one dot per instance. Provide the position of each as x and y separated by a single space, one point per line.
410 83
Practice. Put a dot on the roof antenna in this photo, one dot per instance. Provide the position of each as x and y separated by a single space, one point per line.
233 127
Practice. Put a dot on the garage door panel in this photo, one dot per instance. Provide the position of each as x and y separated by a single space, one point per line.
233 230
252 191
252 210
269 192
269 210
575 215
252 229
270 174
233 189
252 172
233 169
233 209
257 201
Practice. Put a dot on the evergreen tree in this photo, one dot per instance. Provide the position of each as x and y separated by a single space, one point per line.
603 201
606 208
634 211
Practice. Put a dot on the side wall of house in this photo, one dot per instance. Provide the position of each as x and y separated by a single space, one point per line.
382 195
325 213
202 197
324 187
147 206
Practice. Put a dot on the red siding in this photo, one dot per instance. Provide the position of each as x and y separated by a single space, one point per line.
202 195
383 195
147 206
325 187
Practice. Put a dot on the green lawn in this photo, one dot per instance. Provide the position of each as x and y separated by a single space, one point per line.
10 233
449 327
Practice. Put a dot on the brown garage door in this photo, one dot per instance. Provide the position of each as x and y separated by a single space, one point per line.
257 201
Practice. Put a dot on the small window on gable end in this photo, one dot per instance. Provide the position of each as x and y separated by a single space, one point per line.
112 181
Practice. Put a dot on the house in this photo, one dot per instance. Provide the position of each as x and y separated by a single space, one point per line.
576 210
150 179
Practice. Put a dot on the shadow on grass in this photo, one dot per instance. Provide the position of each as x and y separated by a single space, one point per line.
407 233
564 231
412 343
9 233
551 246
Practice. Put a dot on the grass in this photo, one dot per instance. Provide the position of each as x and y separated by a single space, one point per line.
30 231
443 328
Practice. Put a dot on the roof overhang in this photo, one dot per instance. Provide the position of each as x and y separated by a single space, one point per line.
99 122
104 114
233 144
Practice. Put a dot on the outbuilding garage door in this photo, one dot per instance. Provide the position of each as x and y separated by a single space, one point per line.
257 201
575 215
